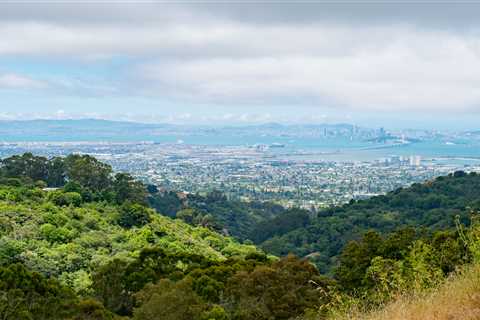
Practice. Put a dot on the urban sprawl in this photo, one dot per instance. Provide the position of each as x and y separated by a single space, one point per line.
252 173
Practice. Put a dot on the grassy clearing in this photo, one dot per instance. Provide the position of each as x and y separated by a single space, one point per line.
458 298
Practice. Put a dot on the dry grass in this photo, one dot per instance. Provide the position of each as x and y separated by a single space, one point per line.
457 299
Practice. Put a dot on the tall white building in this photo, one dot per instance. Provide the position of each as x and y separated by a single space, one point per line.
415 161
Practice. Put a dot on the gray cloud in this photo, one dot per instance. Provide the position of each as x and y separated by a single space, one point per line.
90 13
435 13
353 55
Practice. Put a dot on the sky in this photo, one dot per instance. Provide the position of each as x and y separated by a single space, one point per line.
375 63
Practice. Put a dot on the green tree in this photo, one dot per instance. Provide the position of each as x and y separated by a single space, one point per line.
88 172
283 290
91 310
126 188
26 295
168 300
61 198
56 172
111 289
133 215
187 215
355 260
27 165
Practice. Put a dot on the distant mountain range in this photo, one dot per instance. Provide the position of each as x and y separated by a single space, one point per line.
78 130
119 131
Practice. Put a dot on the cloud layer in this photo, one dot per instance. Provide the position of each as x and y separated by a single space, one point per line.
16 81
377 57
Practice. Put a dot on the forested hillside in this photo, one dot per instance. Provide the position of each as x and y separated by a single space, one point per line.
322 235
240 219
430 206
78 241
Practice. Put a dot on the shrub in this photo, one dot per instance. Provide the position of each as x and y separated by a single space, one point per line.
61 198
133 215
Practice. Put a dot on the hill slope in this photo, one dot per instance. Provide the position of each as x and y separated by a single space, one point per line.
68 259
90 242
70 241
457 299
432 205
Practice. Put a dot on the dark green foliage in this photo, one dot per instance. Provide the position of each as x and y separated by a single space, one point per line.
56 172
197 218
446 252
61 198
12 182
28 295
283 223
235 218
167 203
73 186
168 300
152 189
188 286
432 205
133 215
283 290
110 286
115 283
90 309
450 251
84 170
188 215
237 290
25 166
126 188
356 258
88 172
210 282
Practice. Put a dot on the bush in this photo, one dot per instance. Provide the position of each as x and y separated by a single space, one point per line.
62 199
54 234
28 295
133 215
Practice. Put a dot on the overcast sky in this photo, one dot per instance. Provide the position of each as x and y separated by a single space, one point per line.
392 63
